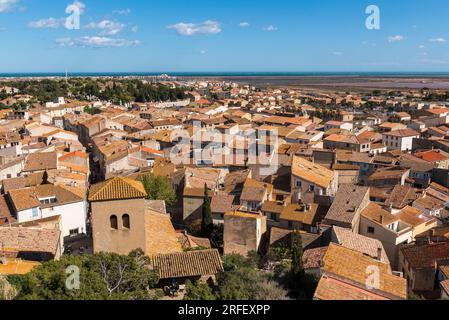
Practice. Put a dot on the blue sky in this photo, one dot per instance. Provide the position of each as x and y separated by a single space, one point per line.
200 35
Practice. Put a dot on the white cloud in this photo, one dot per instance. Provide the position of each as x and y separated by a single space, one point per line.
135 29
244 24
203 51
191 29
337 53
55 23
123 12
65 42
438 40
271 28
107 27
7 5
96 42
46 23
422 46
396 38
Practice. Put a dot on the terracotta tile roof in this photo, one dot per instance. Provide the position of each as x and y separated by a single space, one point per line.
311 172
345 167
362 244
41 161
244 215
78 154
30 180
272 207
413 217
163 168
351 266
235 180
114 151
380 193
28 198
403 114
391 125
254 190
369 136
426 256
336 131
23 199
403 133
401 196
187 241
438 111
20 239
430 203
378 215
160 236
197 177
389 173
117 188
299 213
331 288
222 203
151 151
349 138
5 212
286 120
347 203
79 191
166 122
334 123
195 192
188 264
433 155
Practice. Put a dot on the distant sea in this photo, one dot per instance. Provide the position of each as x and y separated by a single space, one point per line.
226 74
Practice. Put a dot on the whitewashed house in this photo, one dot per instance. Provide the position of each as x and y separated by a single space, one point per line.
46 201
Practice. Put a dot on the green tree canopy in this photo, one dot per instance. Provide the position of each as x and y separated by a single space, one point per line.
199 291
243 281
158 188
103 276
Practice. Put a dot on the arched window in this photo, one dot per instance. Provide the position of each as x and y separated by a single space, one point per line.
126 221
114 222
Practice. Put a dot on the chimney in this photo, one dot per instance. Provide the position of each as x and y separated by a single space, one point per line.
379 254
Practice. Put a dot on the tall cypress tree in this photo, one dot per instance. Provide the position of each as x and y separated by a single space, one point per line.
207 224
297 254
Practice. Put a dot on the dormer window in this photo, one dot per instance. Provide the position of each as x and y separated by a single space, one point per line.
49 200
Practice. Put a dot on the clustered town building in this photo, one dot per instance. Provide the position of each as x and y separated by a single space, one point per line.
365 186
